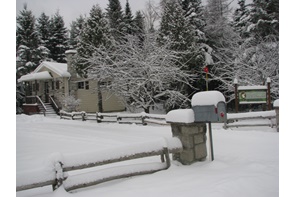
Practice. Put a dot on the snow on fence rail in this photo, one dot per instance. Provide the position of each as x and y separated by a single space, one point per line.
121 118
240 119
57 174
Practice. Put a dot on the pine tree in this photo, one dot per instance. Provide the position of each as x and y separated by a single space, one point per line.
193 11
26 42
139 25
128 20
115 18
58 39
175 27
44 33
76 29
241 19
95 32
264 18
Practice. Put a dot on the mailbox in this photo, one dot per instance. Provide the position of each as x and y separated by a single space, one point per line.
209 106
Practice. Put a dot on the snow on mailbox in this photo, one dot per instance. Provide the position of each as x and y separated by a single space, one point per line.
209 106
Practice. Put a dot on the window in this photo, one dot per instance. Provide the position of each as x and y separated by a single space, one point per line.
87 85
57 85
105 83
81 85
52 85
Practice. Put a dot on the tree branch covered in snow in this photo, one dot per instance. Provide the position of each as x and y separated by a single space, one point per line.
251 63
142 73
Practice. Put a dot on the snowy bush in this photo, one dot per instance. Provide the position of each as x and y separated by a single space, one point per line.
70 103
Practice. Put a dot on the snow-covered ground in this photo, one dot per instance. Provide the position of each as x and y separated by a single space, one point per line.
246 159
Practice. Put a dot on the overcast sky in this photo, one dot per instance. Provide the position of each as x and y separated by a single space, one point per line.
71 9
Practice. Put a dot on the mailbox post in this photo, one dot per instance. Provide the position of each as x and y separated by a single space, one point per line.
189 125
209 107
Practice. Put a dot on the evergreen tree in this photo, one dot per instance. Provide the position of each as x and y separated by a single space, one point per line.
175 27
128 20
44 33
59 38
264 18
26 42
241 19
76 29
139 25
193 11
115 18
95 32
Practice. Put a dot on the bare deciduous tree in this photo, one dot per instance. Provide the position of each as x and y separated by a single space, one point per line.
143 74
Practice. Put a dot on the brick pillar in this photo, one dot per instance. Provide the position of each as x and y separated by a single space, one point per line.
193 138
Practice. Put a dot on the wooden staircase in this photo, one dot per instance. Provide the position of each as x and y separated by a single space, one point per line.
49 111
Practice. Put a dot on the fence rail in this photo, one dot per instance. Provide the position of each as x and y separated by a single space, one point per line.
238 120
98 158
121 118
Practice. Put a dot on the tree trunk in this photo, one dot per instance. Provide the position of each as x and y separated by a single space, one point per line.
100 108
147 110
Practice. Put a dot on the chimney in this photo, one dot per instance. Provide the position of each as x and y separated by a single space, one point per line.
70 62
72 85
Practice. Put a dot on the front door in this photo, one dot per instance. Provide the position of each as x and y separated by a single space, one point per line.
46 92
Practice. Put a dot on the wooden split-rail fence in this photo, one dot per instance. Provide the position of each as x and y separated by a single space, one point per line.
121 118
59 175
253 119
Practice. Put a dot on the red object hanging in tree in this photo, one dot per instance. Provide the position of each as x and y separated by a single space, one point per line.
206 70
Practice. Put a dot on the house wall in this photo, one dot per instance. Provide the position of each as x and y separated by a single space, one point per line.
89 98
111 102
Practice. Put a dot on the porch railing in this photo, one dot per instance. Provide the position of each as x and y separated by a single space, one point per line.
41 102
54 105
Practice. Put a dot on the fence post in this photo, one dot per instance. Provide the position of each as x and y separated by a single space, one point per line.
236 95
268 93
143 117
98 118
166 153
59 175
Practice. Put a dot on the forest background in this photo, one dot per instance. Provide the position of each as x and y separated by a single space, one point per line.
184 37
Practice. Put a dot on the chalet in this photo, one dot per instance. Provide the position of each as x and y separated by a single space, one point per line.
51 82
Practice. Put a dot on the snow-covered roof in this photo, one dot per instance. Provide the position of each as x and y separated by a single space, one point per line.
60 69
207 98
35 76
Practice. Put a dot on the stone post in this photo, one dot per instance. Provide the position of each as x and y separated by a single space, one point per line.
193 139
